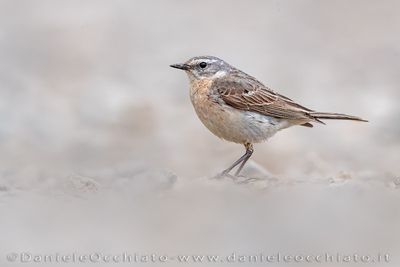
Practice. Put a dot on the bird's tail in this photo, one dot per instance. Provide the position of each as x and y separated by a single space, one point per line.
334 116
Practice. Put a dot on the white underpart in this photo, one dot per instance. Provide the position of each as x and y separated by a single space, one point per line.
247 126
235 125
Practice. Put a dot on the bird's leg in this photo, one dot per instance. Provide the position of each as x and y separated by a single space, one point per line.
242 159
226 172
249 152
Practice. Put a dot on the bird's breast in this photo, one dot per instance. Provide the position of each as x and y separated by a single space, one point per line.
205 108
200 88
227 122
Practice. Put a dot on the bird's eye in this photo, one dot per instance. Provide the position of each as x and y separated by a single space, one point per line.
203 65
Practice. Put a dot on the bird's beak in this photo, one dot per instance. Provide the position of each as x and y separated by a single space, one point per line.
180 66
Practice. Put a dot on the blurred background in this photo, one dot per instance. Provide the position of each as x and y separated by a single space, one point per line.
100 148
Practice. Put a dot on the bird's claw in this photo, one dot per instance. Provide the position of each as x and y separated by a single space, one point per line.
246 180
238 179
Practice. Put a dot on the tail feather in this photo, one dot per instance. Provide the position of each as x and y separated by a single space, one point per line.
334 116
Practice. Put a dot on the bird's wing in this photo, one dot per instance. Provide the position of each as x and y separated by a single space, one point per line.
247 93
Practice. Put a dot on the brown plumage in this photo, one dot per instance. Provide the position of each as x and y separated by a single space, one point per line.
237 107
241 91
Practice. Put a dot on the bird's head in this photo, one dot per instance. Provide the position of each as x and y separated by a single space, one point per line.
204 67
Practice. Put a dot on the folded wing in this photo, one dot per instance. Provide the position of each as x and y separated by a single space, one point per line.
246 93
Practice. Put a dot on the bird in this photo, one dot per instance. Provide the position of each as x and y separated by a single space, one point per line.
238 108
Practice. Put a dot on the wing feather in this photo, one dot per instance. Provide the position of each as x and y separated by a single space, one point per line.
246 93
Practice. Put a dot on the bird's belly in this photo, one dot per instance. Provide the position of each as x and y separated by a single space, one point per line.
236 125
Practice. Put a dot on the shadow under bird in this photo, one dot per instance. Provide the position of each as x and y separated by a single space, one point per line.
238 108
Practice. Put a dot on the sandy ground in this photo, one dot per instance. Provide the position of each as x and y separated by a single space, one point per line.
101 151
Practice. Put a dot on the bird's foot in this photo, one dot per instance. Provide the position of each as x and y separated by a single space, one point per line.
238 179
241 179
223 175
